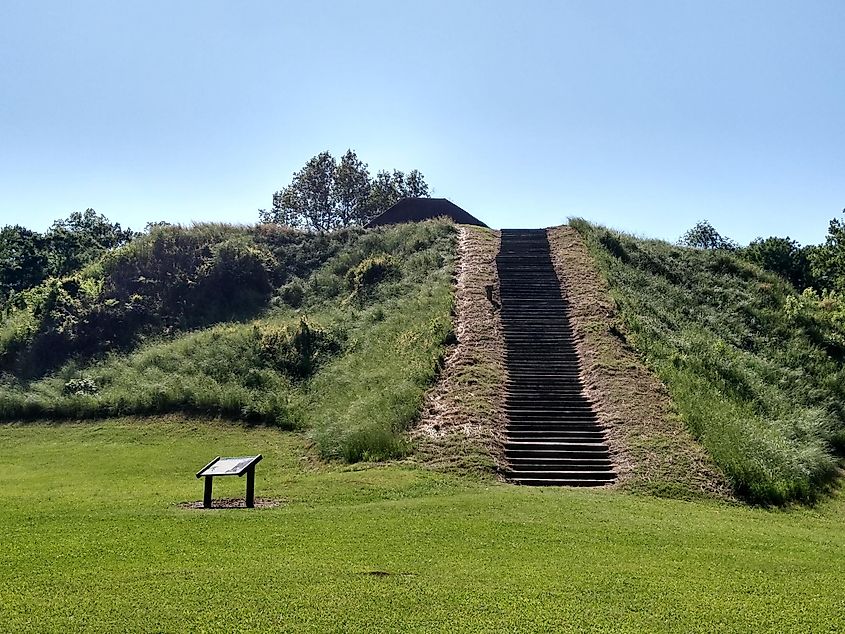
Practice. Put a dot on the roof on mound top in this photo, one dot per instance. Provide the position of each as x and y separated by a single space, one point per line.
416 209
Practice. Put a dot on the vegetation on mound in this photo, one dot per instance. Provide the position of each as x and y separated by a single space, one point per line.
170 280
338 333
754 368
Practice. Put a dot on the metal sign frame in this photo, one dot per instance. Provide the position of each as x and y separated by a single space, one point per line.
236 466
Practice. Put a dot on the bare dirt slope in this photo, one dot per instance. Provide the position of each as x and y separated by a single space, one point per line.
464 416
652 448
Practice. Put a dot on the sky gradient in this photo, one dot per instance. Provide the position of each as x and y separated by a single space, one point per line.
644 116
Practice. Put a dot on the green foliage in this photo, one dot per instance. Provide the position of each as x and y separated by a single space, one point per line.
292 293
782 256
28 258
827 261
80 387
326 194
297 350
23 260
352 372
168 281
704 236
822 317
754 369
82 238
370 272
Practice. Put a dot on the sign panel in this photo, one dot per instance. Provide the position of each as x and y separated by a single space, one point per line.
229 466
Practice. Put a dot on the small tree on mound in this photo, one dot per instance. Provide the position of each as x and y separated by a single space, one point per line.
827 261
783 256
704 236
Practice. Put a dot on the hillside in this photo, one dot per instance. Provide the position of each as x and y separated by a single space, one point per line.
753 368
337 333
712 377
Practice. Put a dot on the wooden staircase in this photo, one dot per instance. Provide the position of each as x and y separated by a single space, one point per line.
552 437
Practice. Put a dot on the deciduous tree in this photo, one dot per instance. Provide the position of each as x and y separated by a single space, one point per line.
783 256
81 238
827 261
351 190
326 194
23 260
704 236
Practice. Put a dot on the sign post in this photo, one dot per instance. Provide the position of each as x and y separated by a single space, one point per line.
230 467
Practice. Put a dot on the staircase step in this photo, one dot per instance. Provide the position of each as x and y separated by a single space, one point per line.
558 482
561 463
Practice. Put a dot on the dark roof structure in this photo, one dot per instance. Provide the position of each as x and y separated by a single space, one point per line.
416 209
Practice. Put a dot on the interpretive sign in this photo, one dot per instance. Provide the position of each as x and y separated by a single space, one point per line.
230 467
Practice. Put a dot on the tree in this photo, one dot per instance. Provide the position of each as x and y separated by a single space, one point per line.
307 201
27 258
385 190
782 256
415 185
351 190
326 194
704 236
827 261
23 260
388 188
80 239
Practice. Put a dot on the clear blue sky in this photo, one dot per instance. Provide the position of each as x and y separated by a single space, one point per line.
646 116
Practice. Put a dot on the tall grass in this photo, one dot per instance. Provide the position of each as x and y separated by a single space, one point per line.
349 359
752 384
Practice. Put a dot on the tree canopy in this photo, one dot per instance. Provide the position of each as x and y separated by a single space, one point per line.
827 261
704 236
27 257
820 267
328 194
783 256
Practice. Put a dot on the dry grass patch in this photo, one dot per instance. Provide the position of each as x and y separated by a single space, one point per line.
463 418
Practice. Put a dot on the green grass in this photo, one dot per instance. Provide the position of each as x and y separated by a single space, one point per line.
762 390
93 541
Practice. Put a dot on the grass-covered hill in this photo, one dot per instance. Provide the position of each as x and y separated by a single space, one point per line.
340 334
337 333
754 368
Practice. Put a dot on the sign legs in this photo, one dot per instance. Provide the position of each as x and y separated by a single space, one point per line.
250 488
206 495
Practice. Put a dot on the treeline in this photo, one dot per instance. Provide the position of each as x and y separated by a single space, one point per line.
327 194
28 258
817 272
169 280
819 267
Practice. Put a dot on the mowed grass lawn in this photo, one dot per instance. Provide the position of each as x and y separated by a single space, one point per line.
93 540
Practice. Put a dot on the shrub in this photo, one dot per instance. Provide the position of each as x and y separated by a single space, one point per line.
80 387
296 351
293 293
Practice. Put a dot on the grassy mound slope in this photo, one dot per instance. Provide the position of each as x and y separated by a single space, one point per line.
93 541
759 385
346 351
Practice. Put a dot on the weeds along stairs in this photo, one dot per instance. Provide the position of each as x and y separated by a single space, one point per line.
552 437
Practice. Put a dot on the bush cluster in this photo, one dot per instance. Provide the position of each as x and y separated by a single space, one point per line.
168 281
